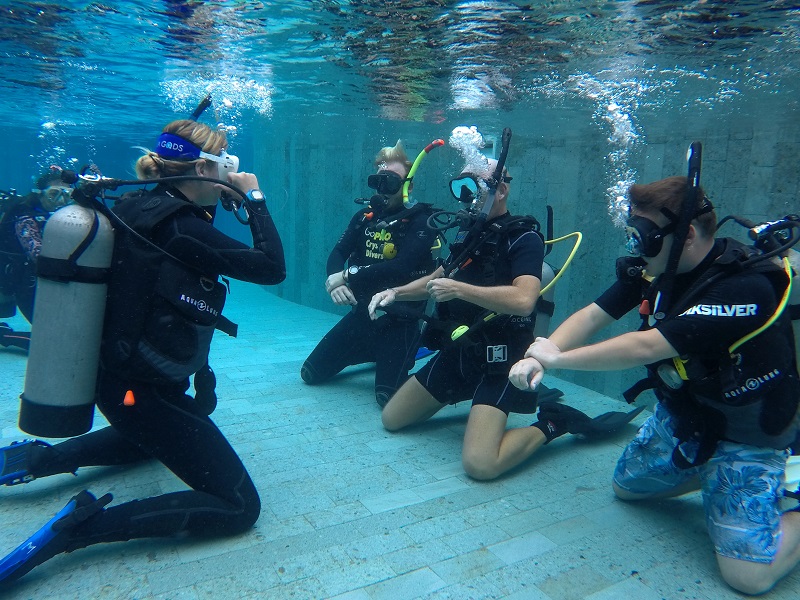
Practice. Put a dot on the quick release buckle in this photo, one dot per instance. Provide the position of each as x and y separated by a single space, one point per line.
497 354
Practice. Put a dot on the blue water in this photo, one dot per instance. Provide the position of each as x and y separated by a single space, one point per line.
598 94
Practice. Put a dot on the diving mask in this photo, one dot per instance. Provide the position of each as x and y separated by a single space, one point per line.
386 182
467 187
644 237
175 147
54 197
228 163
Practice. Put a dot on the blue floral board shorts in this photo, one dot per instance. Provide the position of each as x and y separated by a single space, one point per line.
741 486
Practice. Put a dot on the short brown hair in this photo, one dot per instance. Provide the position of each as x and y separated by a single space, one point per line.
670 193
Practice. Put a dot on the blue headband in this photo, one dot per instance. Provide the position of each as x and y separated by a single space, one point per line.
172 146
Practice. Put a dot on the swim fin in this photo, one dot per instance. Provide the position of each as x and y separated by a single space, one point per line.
547 394
577 422
52 539
15 462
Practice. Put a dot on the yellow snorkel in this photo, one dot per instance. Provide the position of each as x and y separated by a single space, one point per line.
415 165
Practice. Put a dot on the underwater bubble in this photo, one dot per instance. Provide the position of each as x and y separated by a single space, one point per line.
468 141
48 125
232 94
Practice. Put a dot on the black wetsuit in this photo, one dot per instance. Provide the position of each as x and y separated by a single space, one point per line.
20 242
164 422
391 341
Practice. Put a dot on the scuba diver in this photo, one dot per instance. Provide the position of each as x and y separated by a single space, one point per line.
21 228
164 300
489 284
387 243
717 342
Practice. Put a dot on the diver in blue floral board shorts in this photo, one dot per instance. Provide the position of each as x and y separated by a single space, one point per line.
720 354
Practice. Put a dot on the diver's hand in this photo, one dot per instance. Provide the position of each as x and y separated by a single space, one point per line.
334 281
343 296
244 181
526 374
443 289
379 300
545 351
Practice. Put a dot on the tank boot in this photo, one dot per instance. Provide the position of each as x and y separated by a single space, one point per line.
17 339
15 461
54 538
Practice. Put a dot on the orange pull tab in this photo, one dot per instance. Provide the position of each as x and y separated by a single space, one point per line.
129 399
644 307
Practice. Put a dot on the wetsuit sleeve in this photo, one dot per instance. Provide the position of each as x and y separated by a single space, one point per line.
725 313
526 255
198 243
413 260
29 235
620 298
345 246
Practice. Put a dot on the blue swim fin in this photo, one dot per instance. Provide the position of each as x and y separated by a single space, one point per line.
51 539
15 462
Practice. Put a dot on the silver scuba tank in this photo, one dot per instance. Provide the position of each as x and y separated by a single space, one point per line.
72 269
542 326
794 301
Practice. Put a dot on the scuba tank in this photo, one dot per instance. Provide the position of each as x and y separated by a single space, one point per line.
543 315
794 303
72 269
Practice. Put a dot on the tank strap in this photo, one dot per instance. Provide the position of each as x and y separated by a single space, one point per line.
64 271
67 269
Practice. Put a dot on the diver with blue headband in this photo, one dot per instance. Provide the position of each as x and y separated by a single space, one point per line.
164 302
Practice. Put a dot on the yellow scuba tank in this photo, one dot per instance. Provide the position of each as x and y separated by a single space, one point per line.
72 269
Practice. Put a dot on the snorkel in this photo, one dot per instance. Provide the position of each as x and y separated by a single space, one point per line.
688 212
415 166
497 176
204 104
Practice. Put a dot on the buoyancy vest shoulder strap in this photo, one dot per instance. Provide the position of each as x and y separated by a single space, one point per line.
502 227
142 211
735 258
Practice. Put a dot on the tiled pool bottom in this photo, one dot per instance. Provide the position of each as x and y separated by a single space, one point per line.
353 512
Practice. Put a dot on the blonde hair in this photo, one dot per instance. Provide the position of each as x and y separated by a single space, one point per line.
151 165
394 153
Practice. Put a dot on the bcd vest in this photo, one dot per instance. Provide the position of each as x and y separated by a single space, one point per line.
748 394
486 331
161 313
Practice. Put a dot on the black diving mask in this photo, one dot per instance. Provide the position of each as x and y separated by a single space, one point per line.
386 183
644 237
